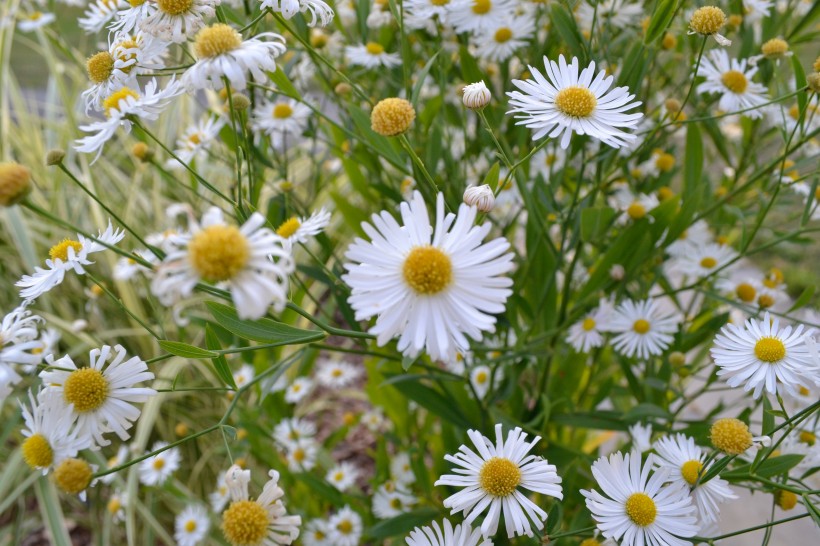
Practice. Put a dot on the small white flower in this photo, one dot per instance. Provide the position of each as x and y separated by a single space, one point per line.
611 14
317 533
478 15
301 229
401 470
641 437
587 333
196 141
481 377
643 328
134 13
175 21
191 525
118 459
389 502
336 375
296 391
342 476
499 40
371 55
301 454
157 469
51 432
704 260
291 430
732 79
320 12
35 19
99 13
283 120
460 535
345 528
220 496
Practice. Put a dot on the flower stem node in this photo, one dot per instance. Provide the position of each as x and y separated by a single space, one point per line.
15 183
392 117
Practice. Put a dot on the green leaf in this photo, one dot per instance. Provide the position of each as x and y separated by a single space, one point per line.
768 418
716 468
564 23
492 176
470 71
595 222
693 169
184 350
664 12
605 420
402 524
261 330
280 79
641 411
799 83
801 301
321 488
434 402
420 79
773 466
223 371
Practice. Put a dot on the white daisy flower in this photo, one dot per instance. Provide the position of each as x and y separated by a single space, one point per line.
35 19
703 260
643 328
263 521
135 12
18 347
221 53
196 141
127 268
424 10
491 480
732 79
177 20
401 470
336 375
191 525
67 255
460 535
641 437
638 509
99 13
499 41
119 458
342 476
587 333
317 533
244 375
379 15
102 394
698 234
685 460
389 502
241 257
291 430
345 528
481 377
51 432
116 506
616 14
429 286
756 10
301 455
764 355
298 389
375 420
371 55
220 496
478 15
157 469
280 119
301 229
119 107
320 12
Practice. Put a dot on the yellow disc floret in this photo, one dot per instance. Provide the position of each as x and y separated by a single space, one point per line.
588 324
665 162
770 349
219 252
735 81
503 34
15 182
499 477
641 326
345 526
174 7
731 436
641 509
707 20
100 67
785 499
114 505
690 470
73 476
190 526
746 292
636 211
288 227
37 451
60 250
374 49
708 262
112 102
216 40
775 48
480 7
427 270
282 110
245 523
391 117
86 388
576 101
807 437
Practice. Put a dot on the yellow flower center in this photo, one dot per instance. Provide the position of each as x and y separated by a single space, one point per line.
588 324
15 182
641 509
770 349
245 523
60 250
439 2
590 542
159 464
707 20
774 48
480 7
765 301
73 476
190 526
808 437
641 326
218 252
86 388
708 262
785 499
499 477
636 211
216 40
734 81
126 56
395 503
690 470
136 3
803 391
282 111
746 292
113 100
174 7
503 34
481 377
114 505
731 436
374 49
99 67
427 270
289 227
576 101
392 116
298 454
37 451
344 527
665 162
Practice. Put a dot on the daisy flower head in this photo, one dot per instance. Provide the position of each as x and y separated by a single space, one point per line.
50 432
498 42
705 260
317 533
478 15
67 255
641 437
251 260
116 506
120 106
371 55
401 471
481 377
300 229
298 390
643 328
103 393
244 375
99 13
120 457
18 347
422 11
429 286
222 53
569 102
447 535
708 21
389 502
157 469
345 528
732 79
35 19
280 118
755 11
685 462
616 14
293 429
177 20
191 525
636 508
301 454
587 333
763 355
260 522
343 476
196 141
134 13
336 375
493 479
320 13
220 496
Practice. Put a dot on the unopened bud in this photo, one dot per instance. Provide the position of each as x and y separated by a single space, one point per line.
476 96
814 82
141 151
480 196
55 157
616 272
240 101
15 183
343 88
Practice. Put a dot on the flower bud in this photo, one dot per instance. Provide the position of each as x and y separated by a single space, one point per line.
476 96
141 151
240 101
480 196
55 157
15 183
616 272
814 82
392 117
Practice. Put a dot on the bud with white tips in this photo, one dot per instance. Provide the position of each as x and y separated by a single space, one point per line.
476 96
480 196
